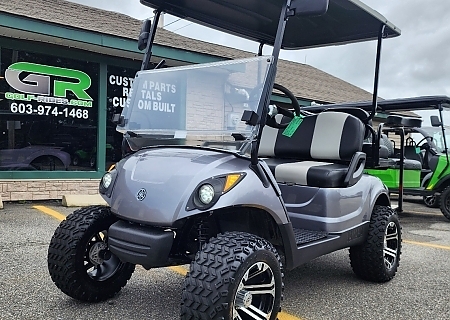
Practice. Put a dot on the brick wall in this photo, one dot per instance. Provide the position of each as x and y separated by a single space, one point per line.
17 190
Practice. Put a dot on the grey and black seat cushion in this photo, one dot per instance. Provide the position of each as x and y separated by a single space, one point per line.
317 154
361 114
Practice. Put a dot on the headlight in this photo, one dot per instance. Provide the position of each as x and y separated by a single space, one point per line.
106 180
206 193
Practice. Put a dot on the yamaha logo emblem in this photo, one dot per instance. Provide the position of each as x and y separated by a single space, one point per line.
141 194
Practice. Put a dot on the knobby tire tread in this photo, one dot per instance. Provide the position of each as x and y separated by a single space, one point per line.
63 264
367 259
207 284
442 199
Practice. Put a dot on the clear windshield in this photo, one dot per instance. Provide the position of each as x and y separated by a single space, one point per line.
195 103
438 139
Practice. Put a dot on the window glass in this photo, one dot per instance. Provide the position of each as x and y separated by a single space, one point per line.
48 112
119 84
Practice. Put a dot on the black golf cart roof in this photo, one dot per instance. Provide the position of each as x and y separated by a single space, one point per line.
404 104
345 21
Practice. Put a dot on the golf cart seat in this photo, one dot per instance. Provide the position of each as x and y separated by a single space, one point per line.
430 158
323 152
409 164
411 153
361 114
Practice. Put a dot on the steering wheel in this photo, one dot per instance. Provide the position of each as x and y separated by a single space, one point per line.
271 122
425 145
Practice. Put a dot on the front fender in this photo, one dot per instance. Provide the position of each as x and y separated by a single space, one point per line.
153 186
249 192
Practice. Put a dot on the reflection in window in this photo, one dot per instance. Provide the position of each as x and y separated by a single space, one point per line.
48 112
119 84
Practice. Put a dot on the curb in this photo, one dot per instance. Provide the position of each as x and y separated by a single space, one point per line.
82 200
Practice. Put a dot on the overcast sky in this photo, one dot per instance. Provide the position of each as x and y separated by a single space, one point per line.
414 64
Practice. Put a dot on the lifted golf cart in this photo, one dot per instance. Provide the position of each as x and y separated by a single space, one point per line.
244 189
423 154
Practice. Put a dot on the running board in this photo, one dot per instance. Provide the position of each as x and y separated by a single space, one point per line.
303 236
306 245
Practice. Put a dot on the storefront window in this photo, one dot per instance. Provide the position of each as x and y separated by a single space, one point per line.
119 85
48 112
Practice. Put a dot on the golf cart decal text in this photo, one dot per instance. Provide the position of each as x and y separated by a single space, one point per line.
36 86
152 95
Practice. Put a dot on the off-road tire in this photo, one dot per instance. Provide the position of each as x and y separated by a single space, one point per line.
444 202
69 252
372 259
432 201
211 286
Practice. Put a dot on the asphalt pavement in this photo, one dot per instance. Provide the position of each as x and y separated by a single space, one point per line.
325 288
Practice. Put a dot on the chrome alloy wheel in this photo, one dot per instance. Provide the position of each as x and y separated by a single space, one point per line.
391 244
255 294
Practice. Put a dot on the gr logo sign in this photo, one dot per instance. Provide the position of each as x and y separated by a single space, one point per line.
39 77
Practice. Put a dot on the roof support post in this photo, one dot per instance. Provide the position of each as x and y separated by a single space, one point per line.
148 49
445 141
268 86
377 72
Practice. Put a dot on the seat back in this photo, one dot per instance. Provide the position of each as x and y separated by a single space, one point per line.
332 136
384 141
411 153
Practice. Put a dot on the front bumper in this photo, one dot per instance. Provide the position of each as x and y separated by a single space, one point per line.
147 246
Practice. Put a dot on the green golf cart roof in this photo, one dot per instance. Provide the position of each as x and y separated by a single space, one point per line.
404 104
346 21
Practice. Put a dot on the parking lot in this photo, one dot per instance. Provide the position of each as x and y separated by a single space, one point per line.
325 288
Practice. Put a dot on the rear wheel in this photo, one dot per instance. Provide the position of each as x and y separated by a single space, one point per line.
377 259
235 276
431 201
445 202
79 261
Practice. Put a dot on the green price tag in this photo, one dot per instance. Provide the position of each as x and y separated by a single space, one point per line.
417 150
293 126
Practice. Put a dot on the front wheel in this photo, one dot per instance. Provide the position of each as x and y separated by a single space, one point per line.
377 259
431 201
235 276
445 202
79 261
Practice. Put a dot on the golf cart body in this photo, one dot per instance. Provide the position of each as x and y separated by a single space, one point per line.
214 172
166 179
426 163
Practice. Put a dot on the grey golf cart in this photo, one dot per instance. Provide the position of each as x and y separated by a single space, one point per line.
216 176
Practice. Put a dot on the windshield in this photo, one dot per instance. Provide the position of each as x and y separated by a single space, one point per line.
196 103
436 134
